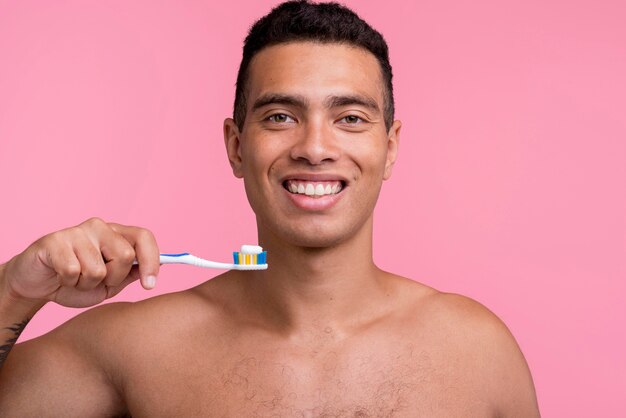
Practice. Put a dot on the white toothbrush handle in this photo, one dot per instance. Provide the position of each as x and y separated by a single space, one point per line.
186 258
192 260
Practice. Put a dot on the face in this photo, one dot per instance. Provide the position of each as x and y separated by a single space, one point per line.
314 150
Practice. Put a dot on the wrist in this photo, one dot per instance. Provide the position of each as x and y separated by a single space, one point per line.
13 303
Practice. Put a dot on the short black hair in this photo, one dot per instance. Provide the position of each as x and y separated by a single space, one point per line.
302 20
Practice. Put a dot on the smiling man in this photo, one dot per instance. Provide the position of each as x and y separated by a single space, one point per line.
323 332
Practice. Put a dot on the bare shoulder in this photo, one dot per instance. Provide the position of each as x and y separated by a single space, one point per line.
126 325
122 341
170 310
470 335
118 319
97 352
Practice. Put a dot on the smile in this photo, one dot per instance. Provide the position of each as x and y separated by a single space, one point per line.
313 188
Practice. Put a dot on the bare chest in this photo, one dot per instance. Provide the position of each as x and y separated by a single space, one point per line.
269 381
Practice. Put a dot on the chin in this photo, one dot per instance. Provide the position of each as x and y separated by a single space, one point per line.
311 235
314 240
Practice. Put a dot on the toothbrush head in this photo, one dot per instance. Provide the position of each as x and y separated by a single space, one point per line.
251 257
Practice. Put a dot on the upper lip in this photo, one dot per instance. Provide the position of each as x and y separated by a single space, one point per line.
315 177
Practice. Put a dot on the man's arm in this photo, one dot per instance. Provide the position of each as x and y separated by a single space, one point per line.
499 367
511 378
14 316
68 372
52 375
59 374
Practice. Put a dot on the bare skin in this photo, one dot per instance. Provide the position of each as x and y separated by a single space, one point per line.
323 332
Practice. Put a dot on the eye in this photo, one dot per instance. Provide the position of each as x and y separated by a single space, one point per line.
353 119
279 118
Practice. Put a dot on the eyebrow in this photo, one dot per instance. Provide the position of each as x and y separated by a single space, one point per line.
302 102
295 100
352 99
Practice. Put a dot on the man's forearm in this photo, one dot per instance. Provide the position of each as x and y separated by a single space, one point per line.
14 316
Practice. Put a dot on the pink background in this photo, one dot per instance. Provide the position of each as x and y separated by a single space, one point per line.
510 185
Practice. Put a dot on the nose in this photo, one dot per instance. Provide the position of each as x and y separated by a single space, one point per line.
316 144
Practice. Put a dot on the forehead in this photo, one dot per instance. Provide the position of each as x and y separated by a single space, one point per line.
315 70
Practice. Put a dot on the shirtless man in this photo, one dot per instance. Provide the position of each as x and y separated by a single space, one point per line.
323 332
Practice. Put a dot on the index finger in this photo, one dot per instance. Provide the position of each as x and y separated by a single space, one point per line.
146 251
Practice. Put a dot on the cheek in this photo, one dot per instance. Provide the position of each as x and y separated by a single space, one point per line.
254 158
260 149
371 161
259 171
368 178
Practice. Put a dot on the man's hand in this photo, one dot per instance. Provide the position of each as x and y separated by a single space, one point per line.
83 265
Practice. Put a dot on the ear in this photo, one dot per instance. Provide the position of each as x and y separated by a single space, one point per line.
393 140
233 146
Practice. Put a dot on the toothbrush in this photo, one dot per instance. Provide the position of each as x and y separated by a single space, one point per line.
251 257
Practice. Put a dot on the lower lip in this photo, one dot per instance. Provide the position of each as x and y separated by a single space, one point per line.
318 204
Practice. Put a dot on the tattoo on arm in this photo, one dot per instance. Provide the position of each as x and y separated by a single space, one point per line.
8 344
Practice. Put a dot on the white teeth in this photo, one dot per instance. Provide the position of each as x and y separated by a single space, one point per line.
316 189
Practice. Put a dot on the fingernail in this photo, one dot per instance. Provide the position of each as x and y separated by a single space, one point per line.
150 281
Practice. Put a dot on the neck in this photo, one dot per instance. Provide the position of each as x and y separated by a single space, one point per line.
320 287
